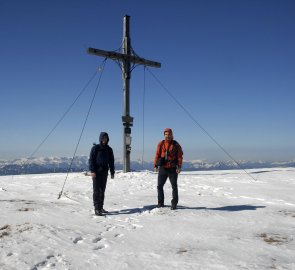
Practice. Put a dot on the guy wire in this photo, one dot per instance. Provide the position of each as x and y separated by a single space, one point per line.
143 118
199 125
89 109
64 115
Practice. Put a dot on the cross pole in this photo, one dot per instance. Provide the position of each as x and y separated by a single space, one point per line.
125 58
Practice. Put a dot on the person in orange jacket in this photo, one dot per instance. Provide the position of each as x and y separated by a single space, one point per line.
167 163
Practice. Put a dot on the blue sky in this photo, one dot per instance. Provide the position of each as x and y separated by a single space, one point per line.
231 64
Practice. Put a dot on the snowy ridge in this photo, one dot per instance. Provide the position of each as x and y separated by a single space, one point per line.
224 221
80 163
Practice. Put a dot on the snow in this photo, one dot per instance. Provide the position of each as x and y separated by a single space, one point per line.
225 220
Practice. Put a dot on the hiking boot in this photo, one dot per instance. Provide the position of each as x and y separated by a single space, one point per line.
98 212
173 206
104 211
160 205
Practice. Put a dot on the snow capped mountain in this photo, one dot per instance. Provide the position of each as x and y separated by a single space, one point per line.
80 163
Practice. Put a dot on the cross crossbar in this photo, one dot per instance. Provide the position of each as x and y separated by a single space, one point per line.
124 57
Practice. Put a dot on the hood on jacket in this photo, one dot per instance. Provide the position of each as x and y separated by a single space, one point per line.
103 134
169 130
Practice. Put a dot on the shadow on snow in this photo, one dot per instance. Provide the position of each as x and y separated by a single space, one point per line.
230 208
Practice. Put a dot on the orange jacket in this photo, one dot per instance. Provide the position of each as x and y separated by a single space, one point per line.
174 154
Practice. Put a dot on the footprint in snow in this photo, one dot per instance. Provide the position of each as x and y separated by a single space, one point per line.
110 228
100 247
78 240
97 239
136 226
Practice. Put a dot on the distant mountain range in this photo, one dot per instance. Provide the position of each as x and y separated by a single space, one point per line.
80 164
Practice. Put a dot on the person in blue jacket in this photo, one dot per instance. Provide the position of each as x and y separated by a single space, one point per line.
101 160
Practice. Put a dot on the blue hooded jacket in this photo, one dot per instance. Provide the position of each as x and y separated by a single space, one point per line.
103 134
101 156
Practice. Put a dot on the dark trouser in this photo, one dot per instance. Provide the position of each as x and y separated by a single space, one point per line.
162 177
99 187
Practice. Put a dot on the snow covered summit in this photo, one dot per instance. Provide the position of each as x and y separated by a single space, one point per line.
224 220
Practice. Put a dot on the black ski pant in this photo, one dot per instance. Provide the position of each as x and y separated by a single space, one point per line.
162 177
99 187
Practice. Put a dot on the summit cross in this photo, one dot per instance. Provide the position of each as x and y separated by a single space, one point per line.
126 58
